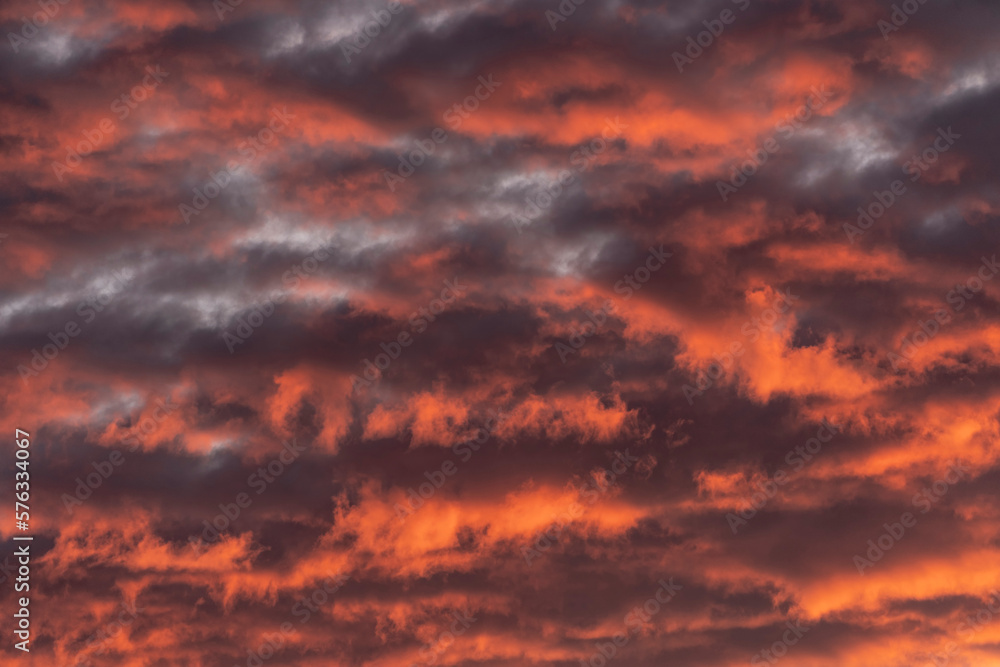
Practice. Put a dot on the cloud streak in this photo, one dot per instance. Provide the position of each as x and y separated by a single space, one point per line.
468 274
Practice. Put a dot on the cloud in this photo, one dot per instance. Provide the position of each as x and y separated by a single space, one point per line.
764 320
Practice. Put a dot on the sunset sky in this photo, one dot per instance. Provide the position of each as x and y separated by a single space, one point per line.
549 333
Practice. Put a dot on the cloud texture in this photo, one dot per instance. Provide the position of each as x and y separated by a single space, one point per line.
503 333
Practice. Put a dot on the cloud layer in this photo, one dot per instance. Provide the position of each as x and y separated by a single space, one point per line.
504 333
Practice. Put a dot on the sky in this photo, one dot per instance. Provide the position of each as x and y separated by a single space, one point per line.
501 333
